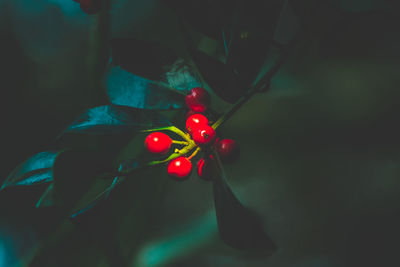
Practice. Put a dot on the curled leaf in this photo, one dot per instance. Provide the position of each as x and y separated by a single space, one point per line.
35 170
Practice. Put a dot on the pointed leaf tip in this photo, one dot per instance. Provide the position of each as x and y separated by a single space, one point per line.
35 170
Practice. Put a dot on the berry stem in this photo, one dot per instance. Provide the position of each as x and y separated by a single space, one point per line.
234 108
180 142
194 153
172 129
176 154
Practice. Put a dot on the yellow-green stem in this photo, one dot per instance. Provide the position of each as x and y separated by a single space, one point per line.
180 142
194 153
174 129
175 155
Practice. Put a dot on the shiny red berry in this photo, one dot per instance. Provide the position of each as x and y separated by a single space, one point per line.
158 143
195 121
228 150
198 99
205 168
90 6
179 168
204 135
190 113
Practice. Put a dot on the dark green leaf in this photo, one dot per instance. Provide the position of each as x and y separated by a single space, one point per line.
152 61
220 78
47 198
102 196
127 89
181 76
116 119
35 170
16 198
237 225
246 38
75 171
224 82
88 206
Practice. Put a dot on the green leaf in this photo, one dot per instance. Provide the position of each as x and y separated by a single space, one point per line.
223 80
47 198
127 89
100 192
97 200
76 170
35 170
90 203
115 119
182 76
238 226
246 40
152 61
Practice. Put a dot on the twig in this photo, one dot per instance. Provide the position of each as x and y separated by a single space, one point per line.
260 85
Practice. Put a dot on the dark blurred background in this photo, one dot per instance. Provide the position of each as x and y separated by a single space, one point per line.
320 151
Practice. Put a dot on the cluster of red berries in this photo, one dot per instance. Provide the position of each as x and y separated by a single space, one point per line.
201 134
90 6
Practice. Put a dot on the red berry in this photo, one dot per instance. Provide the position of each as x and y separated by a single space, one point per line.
179 168
90 6
195 121
198 99
190 113
228 150
158 143
204 135
205 168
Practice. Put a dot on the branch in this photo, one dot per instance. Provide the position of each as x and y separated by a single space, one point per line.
261 85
